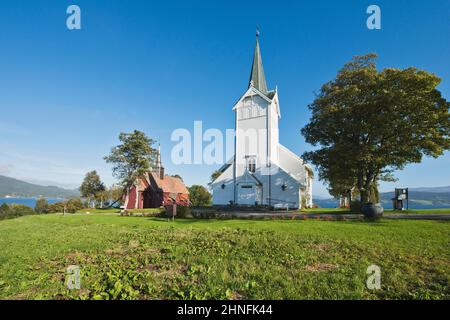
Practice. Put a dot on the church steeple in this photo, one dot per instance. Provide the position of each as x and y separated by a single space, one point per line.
159 169
257 77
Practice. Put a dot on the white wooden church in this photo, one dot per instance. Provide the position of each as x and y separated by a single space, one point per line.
262 172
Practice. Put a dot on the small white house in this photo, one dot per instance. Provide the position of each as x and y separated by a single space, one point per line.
262 172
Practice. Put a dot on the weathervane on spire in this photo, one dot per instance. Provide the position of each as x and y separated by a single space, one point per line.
257 31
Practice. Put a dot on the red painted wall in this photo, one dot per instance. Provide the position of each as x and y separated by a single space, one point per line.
132 198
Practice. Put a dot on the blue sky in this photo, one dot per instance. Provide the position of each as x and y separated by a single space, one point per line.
157 66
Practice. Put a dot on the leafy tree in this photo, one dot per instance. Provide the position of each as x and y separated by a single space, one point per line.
41 206
132 158
199 196
91 186
369 123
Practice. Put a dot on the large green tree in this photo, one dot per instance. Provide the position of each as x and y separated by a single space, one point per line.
133 157
199 196
369 123
91 186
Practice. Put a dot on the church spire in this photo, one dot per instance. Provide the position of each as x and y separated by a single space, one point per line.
159 169
257 77
158 157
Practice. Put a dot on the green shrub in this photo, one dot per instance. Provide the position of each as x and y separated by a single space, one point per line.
56 207
148 212
184 212
15 211
199 196
73 205
21 210
41 206
104 210
4 211
70 206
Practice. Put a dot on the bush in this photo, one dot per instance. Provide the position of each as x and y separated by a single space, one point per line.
73 205
56 207
184 212
199 196
41 206
4 211
15 211
148 212
21 210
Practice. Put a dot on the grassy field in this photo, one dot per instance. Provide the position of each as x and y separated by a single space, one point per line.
316 210
388 211
421 211
150 258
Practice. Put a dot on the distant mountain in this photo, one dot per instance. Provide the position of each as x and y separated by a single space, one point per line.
17 188
418 199
325 203
70 186
432 189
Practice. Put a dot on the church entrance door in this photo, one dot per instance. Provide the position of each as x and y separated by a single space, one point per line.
247 194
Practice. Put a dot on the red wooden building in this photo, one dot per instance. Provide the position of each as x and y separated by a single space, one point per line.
155 189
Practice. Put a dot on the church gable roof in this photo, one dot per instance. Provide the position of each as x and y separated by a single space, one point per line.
252 91
248 177
169 184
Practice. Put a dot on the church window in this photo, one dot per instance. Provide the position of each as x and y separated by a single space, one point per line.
251 165
223 186
284 187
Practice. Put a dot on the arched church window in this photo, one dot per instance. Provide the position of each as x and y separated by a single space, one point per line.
223 186
251 165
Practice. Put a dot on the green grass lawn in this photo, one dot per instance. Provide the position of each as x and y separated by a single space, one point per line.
108 210
412 211
422 211
150 258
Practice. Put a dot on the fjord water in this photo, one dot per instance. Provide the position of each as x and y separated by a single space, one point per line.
31 202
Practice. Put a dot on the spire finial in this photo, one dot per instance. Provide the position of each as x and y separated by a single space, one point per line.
257 31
